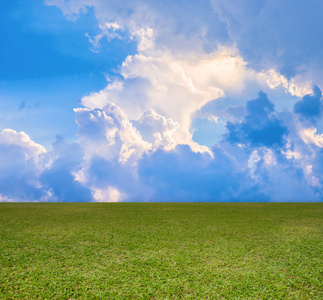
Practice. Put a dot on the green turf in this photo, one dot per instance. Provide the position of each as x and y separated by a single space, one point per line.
161 251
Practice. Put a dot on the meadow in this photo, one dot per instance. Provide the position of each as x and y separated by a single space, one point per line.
161 251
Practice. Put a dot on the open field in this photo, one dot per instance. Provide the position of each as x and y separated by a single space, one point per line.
161 251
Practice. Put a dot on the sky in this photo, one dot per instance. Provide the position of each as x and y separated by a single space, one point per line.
171 101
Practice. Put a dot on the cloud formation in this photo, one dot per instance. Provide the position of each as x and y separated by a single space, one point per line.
310 107
137 137
267 156
260 127
183 175
22 161
284 34
59 179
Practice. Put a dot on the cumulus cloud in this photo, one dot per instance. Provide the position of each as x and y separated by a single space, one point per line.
310 136
59 178
182 63
111 181
262 157
169 19
310 107
173 32
266 156
268 34
112 147
21 161
108 133
177 87
194 61
282 151
260 127
279 178
22 143
277 33
157 130
183 175
30 173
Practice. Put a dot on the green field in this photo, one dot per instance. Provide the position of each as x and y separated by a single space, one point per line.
161 251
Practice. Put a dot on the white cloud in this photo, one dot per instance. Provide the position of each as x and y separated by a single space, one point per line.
108 133
292 154
22 141
17 150
274 33
22 161
172 73
174 87
110 194
310 136
145 38
183 64
296 86
4 198
157 130
252 163
177 86
108 31
108 136
269 158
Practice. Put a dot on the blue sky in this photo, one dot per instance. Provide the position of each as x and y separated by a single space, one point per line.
161 100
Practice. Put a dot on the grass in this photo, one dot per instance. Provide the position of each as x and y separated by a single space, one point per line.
161 251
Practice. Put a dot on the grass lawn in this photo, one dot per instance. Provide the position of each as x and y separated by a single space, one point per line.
161 251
